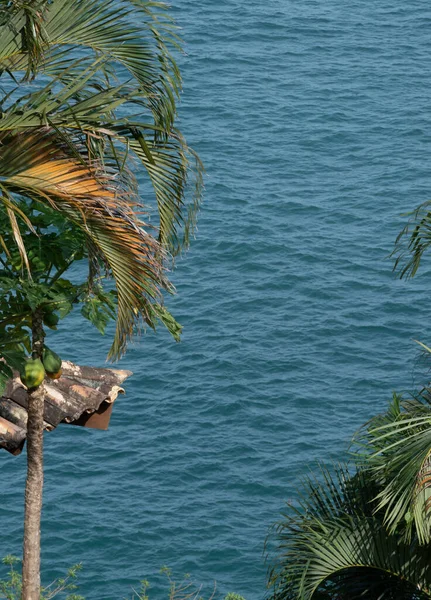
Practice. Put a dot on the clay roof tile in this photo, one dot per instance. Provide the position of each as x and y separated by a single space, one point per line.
81 396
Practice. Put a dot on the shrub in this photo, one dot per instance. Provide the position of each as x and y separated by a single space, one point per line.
64 588
10 588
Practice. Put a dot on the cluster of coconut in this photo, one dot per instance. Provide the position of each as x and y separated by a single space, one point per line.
34 370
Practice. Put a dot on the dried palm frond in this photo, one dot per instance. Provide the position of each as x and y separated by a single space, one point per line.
37 164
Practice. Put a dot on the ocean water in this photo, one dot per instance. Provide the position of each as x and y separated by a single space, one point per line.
312 118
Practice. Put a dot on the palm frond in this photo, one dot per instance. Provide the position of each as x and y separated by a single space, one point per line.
165 156
396 448
129 34
413 241
168 164
404 465
334 545
38 165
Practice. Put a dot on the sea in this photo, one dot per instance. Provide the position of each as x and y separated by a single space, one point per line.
312 118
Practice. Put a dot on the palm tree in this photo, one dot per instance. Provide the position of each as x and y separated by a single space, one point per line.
91 124
91 92
366 532
336 546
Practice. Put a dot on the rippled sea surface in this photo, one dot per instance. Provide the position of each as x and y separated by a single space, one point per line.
313 121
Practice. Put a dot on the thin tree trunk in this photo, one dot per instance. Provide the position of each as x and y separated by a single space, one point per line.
34 483
33 497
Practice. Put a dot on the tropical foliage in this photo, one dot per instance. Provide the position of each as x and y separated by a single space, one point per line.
413 241
87 113
66 587
91 97
336 546
361 534
52 246
364 531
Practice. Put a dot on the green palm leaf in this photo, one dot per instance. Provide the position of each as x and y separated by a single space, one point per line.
413 241
336 546
127 33
399 450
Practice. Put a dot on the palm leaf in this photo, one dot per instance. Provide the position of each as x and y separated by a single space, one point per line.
165 156
397 451
129 34
413 241
38 165
335 545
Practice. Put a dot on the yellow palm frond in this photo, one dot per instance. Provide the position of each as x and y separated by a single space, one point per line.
37 164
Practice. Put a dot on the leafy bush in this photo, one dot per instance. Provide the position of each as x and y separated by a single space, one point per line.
65 588
10 588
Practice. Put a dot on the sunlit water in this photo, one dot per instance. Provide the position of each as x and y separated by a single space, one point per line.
312 119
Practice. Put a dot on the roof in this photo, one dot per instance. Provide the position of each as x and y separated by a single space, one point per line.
81 396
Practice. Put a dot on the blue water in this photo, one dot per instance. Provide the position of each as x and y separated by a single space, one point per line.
313 121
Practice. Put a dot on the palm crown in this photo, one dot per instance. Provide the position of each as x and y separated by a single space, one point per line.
89 100
365 531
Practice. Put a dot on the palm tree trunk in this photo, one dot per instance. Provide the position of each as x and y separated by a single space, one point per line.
34 483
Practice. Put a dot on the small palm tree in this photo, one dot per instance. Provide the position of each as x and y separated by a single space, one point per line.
336 546
90 107
366 532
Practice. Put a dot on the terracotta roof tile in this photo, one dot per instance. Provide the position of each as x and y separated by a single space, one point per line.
81 396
